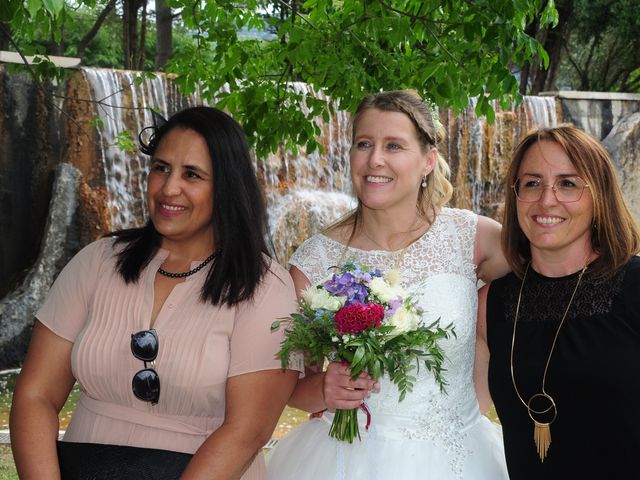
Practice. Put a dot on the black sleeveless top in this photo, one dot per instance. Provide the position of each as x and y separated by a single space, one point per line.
593 376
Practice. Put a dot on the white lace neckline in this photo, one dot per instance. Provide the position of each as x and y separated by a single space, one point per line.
405 250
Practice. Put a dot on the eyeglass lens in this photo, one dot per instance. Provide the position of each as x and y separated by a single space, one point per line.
146 382
566 189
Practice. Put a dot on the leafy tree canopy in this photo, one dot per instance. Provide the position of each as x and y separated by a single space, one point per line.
603 48
595 46
447 50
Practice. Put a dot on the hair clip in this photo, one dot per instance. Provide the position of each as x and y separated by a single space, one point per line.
435 115
148 146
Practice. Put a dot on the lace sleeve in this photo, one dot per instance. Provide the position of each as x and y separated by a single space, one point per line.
466 223
314 258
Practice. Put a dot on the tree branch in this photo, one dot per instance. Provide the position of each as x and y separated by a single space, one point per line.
426 22
143 36
100 102
27 65
573 62
96 26
415 18
296 13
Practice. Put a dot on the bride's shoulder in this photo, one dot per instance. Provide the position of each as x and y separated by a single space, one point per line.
312 242
314 246
315 255
460 217
334 236
457 213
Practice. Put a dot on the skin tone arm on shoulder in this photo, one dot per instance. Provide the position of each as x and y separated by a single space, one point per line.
481 365
41 390
254 402
333 388
488 250
491 265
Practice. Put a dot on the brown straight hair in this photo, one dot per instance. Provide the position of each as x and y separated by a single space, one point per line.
615 235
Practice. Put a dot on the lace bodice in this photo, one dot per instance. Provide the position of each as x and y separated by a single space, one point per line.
447 247
438 270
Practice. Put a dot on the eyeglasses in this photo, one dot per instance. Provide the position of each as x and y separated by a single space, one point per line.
566 189
146 383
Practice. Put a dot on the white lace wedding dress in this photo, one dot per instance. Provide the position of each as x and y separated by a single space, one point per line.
429 435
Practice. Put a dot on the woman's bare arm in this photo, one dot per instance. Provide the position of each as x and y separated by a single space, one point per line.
40 392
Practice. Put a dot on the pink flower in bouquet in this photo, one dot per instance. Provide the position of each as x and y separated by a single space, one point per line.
356 318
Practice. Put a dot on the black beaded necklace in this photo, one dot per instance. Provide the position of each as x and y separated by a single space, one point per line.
161 271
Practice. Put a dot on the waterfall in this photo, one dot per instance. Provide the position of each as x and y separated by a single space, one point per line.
309 191
479 152
313 179
125 103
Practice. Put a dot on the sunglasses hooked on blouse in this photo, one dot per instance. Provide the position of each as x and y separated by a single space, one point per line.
146 382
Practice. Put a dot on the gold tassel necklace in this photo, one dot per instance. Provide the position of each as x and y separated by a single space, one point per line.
541 429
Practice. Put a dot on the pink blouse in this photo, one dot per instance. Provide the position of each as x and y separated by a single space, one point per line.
200 346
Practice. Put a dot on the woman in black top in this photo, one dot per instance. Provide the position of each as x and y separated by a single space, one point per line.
564 328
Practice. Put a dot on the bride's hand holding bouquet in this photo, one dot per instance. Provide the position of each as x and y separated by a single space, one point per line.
364 319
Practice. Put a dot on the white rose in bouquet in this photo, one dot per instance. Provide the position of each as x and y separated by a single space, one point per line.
318 298
384 291
404 320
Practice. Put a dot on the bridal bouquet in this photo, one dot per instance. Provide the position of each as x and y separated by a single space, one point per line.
364 318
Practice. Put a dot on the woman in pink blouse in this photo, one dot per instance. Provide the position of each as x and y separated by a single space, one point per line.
165 328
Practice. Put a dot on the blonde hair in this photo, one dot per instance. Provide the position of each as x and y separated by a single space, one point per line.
430 133
615 236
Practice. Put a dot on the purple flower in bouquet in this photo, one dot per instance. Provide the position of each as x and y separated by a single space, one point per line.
347 285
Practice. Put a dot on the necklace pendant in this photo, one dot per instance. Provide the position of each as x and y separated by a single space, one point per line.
542 438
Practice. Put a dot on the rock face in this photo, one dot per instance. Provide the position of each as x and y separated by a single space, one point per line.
596 112
623 143
302 213
30 144
18 308
100 187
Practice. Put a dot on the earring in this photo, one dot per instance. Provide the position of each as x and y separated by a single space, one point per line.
424 182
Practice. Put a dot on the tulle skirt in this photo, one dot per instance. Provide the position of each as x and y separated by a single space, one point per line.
308 453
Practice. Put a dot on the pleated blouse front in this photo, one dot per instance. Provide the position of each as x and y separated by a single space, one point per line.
201 345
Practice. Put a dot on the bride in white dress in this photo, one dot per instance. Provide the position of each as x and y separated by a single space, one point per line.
401 184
